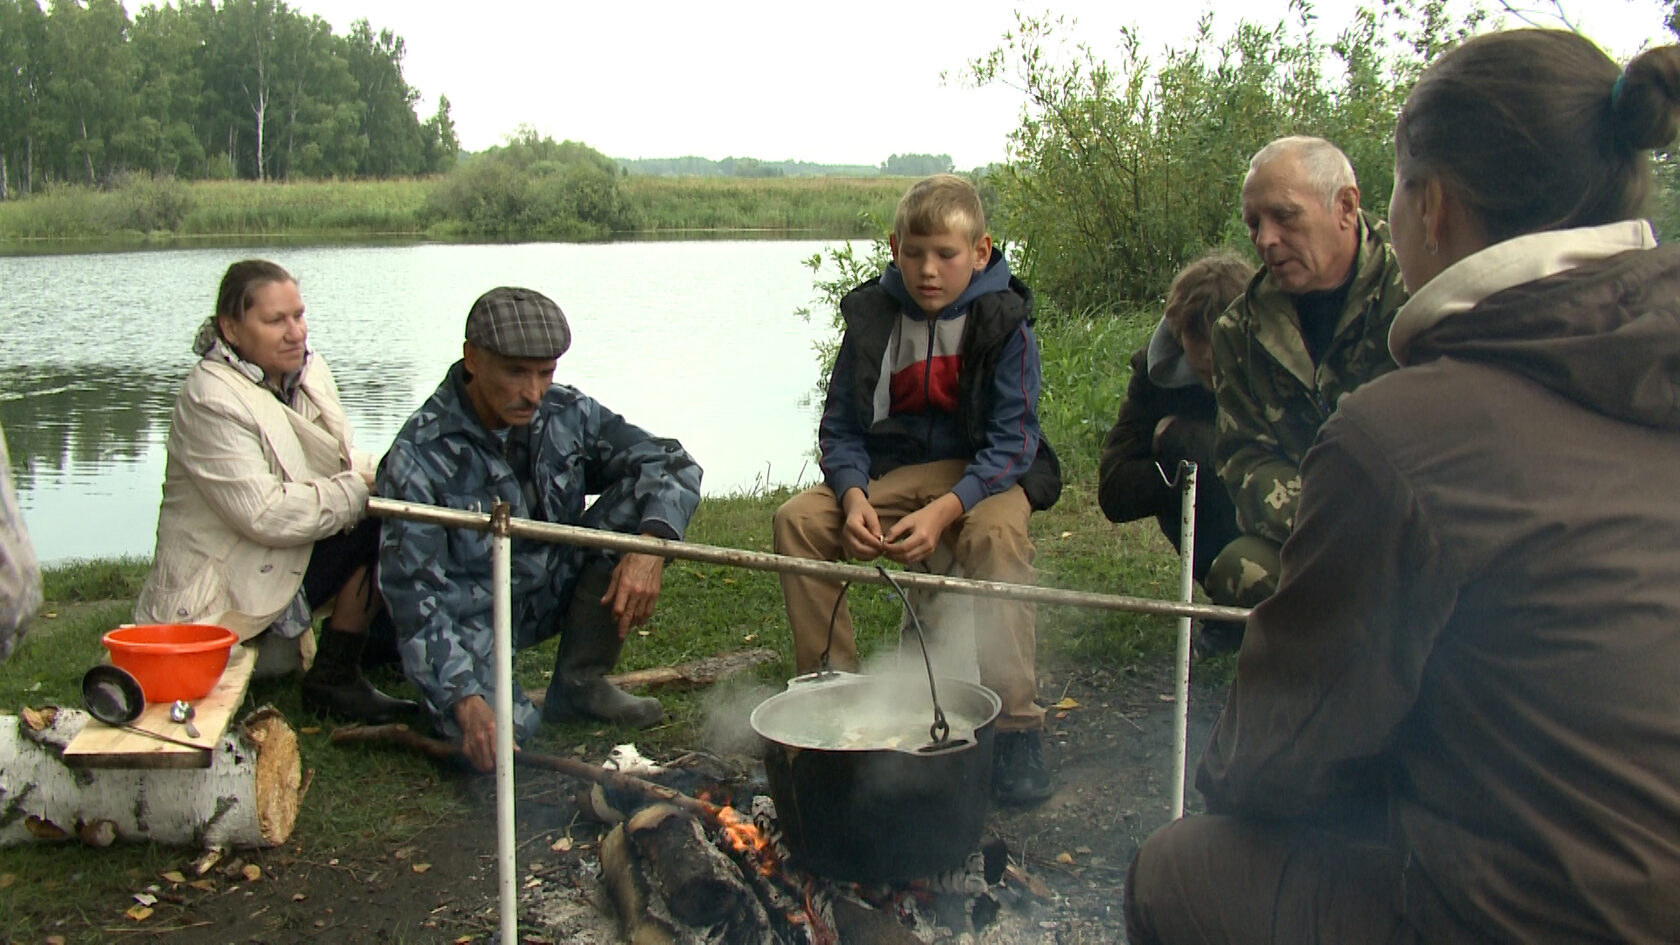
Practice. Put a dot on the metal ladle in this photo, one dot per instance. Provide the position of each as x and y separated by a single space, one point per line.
182 711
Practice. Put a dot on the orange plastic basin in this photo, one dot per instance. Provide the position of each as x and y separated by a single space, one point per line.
172 660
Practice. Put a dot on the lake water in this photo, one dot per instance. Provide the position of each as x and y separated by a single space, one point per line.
695 340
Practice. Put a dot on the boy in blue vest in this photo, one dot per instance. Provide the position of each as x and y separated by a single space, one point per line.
930 436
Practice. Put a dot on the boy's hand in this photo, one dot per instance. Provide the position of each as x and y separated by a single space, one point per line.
861 535
917 534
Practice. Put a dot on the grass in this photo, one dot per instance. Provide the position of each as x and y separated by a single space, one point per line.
832 205
141 209
365 799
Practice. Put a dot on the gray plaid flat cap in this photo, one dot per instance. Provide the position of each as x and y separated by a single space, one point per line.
518 323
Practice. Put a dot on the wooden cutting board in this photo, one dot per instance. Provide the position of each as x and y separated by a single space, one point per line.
104 746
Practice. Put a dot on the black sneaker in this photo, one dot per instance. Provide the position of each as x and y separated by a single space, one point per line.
1212 638
1019 778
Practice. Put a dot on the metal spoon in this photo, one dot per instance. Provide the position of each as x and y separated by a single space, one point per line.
182 712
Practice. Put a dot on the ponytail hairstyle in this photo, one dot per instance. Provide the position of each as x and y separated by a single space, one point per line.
1539 130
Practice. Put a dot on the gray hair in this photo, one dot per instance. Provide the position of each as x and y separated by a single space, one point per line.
1326 168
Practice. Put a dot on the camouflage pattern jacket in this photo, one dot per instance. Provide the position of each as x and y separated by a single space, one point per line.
436 581
1272 399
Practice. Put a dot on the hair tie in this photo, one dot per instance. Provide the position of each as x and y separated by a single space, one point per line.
1616 91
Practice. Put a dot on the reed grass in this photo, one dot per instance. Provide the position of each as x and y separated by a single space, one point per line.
141 209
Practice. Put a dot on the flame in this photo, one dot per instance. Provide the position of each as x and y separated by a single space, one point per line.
747 840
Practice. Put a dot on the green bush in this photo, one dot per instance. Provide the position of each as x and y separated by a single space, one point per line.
1126 171
531 187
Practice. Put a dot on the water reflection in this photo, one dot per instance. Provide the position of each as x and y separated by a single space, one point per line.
692 340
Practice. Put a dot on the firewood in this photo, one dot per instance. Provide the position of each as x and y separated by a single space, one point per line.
441 750
700 672
628 889
700 885
856 922
246 798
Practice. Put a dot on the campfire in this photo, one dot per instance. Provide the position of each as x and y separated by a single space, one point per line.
706 872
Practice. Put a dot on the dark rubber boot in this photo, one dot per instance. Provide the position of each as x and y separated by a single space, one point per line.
1019 777
335 686
589 648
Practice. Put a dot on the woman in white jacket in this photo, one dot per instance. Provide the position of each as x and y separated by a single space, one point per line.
264 496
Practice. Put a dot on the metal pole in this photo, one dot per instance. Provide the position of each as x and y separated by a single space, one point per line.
1186 587
501 556
764 561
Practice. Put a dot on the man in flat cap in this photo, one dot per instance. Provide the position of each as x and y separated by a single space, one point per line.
498 427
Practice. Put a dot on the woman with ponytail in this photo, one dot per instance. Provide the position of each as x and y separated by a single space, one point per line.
1458 720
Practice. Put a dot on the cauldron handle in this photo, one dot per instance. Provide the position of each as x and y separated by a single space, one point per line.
940 730
833 615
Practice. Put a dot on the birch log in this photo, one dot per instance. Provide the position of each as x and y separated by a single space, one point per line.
246 798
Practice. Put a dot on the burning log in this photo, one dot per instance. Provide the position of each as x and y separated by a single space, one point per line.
246 798
700 885
628 888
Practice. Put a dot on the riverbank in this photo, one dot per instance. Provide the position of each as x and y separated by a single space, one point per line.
381 813
378 812
146 211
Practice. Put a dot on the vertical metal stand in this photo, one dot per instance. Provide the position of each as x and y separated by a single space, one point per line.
1186 588
501 555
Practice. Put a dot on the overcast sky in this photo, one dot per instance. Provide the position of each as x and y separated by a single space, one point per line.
848 82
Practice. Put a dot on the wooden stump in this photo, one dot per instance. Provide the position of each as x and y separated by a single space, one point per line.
246 798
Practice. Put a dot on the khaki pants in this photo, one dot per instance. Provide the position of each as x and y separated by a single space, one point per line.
1214 879
989 543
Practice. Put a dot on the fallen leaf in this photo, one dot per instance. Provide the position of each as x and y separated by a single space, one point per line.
1166 697
1082 851
421 867
1066 859
561 845
533 883
203 885
299 897
175 877
750 637
463 940
252 872
333 861
405 852
1067 534
145 899
55 940
644 633
729 580
1068 702
49 614
6 879
139 913
1060 716
310 730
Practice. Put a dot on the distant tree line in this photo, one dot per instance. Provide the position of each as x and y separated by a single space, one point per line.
206 89
899 165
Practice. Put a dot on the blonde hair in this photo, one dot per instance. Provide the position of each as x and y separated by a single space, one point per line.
938 203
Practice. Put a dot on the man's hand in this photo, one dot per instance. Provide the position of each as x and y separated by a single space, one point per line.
478 731
861 536
633 590
917 534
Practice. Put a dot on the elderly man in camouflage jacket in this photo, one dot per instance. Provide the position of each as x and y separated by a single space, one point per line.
498 427
1311 327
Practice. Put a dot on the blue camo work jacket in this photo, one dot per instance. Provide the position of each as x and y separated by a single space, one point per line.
436 580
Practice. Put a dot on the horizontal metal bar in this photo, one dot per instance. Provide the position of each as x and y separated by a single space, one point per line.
786 564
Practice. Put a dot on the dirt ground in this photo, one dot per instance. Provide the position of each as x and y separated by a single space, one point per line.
1111 759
